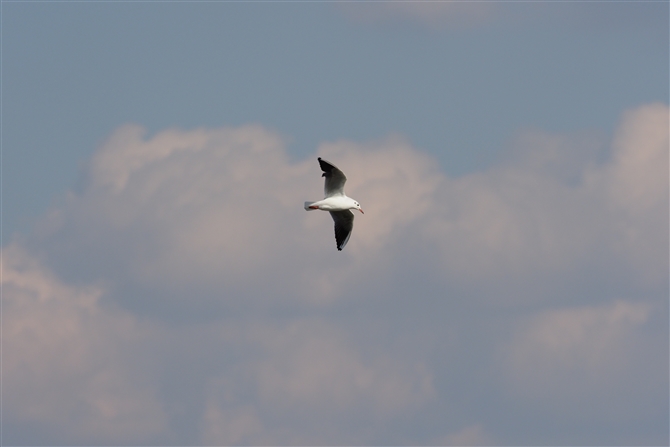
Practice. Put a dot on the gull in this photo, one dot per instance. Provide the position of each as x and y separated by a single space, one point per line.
336 202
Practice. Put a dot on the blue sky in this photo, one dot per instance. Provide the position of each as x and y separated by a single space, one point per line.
508 283
77 71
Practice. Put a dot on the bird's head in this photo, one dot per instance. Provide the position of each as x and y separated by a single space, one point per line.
358 207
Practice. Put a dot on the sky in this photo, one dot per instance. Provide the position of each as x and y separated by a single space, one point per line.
507 285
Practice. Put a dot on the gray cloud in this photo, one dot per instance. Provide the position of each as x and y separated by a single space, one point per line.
185 296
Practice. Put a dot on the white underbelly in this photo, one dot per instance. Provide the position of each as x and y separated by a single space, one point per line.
339 203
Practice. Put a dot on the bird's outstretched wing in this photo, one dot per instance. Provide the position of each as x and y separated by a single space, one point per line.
335 179
344 223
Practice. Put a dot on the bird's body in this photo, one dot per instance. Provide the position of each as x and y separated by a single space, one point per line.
336 202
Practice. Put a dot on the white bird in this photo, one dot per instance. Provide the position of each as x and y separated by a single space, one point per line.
336 202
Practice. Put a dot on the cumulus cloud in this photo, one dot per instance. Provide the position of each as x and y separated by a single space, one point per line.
79 371
315 379
596 363
539 218
636 189
68 362
193 245
215 211
587 343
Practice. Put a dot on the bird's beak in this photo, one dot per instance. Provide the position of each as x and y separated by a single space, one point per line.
359 209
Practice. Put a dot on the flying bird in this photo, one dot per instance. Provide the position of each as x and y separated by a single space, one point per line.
336 202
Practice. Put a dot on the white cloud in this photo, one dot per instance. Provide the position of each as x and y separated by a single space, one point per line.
221 206
203 234
540 217
314 364
635 185
83 372
597 363
309 383
220 210
67 361
590 342
199 206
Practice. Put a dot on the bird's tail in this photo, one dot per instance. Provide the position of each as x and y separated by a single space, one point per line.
307 206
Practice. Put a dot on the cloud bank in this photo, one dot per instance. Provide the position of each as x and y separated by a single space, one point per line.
182 295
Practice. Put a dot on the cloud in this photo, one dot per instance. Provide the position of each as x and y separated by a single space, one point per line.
585 343
636 187
537 217
313 378
190 249
315 364
218 210
596 363
78 371
68 362
471 435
